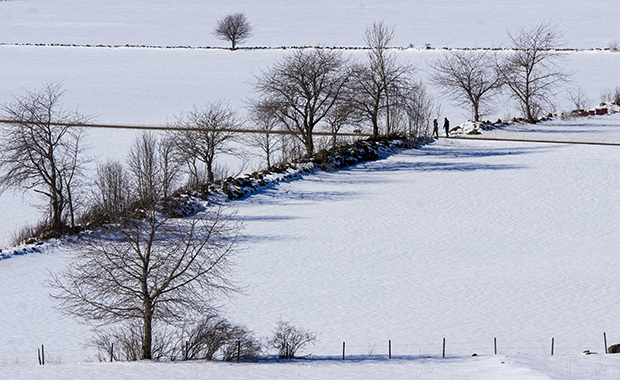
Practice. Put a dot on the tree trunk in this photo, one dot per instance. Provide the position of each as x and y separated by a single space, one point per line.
375 126
210 176
309 144
147 338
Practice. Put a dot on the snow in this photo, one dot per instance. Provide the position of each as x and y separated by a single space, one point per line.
462 239
440 23
478 368
154 86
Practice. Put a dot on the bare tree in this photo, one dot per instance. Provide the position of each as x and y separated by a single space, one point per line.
42 151
469 78
111 189
342 114
612 95
418 109
211 132
143 164
169 163
150 270
579 98
532 71
263 116
376 86
234 28
304 86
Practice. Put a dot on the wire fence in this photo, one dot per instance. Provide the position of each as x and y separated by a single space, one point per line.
446 348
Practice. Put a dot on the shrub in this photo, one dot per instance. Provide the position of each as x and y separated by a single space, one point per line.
214 334
288 339
242 345
124 343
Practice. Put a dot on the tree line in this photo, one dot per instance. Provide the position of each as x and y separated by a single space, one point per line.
307 89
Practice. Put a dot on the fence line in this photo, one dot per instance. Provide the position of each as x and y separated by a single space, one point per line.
288 132
282 47
535 140
170 128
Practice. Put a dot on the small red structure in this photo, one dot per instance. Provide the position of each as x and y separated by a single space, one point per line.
591 112
601 111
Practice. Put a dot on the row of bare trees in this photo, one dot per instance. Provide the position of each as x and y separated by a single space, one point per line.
306 90
532 73
311 87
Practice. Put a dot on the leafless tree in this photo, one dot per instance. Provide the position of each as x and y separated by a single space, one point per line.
38 154
169 163
263 116
145 172
579 98
611 95
149 270
304 86
211 132
111 189
469 78
376 85
287 339
532 71
418 109
342 114
234 28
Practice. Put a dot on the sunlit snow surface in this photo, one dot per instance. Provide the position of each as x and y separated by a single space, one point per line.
463 240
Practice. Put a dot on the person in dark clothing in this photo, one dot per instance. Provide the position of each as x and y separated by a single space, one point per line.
435 128
446 126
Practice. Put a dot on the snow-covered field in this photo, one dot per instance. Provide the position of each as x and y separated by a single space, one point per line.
463 240
153 87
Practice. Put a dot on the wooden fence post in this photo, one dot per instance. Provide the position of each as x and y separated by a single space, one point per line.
389 349
42 354
39 355
238 350
605 338
495 345
111 352
552 344
343 345
443 355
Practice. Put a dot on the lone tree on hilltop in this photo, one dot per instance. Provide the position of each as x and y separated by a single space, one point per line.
532 71
234 28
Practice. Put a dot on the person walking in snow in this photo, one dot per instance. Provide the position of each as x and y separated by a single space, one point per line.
446 126
435 128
